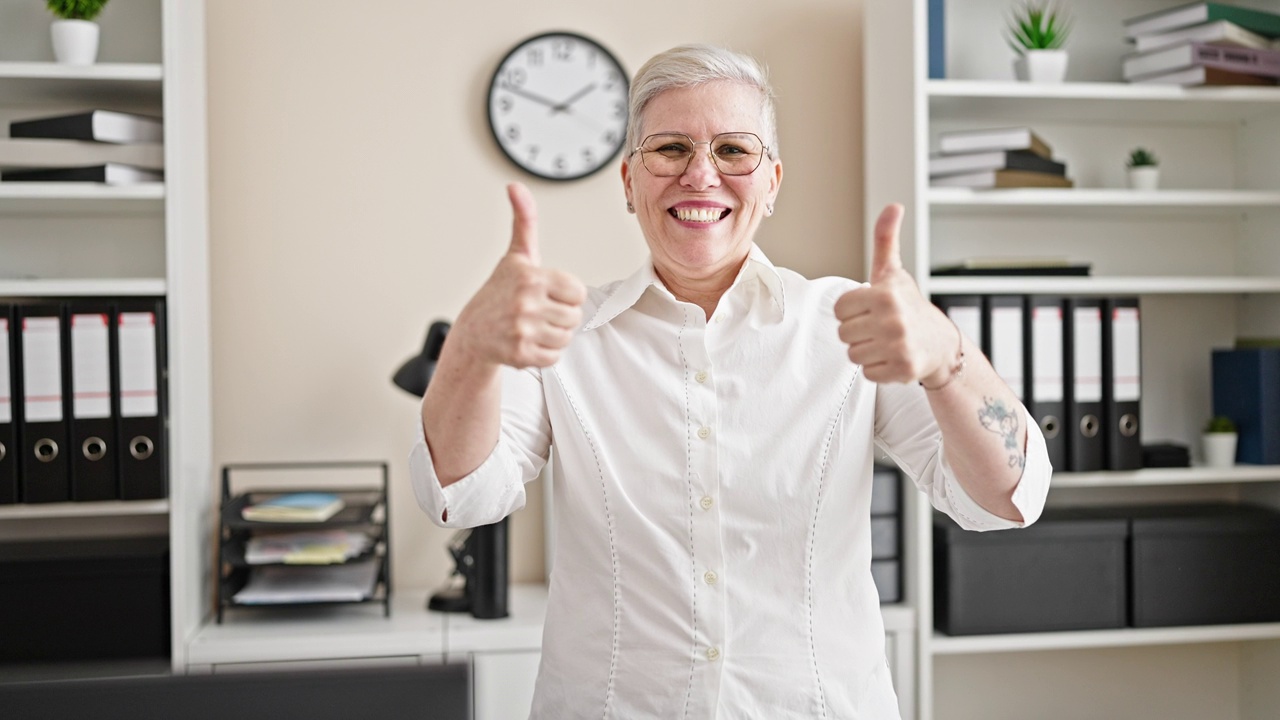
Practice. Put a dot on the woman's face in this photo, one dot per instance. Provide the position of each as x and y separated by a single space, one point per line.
717 238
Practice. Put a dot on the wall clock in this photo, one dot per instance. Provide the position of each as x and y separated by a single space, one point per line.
558 106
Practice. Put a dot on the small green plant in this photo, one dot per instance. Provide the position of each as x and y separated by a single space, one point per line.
1141 157
76 9
1220 424
1037 25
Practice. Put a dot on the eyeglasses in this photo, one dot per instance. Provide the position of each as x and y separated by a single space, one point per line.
669 154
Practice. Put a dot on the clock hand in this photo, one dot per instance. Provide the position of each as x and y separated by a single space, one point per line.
564 106
530 96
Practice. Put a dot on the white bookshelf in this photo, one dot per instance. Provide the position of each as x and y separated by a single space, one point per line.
1203 255
87 239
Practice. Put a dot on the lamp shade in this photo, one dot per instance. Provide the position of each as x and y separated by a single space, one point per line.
414 375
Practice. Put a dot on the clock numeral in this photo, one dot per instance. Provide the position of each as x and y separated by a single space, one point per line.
513 132
610 138
504 104
588 157
514 77
535 56
613 79
562 49
591 59
561 165
533 153
620 110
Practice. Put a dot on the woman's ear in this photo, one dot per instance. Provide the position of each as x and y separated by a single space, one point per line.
626 184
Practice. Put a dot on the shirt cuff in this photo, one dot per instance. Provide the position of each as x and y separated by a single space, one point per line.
479 498
1029 495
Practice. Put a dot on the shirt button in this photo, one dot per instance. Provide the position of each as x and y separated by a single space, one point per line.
713 654
701 376
707 502
704 432
710 578
720 318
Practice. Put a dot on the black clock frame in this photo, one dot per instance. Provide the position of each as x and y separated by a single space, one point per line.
493 81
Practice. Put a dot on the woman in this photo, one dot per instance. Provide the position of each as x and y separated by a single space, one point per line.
714 428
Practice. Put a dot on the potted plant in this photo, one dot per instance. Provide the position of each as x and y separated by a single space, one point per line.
1219 442
1037 31
75 35
1144 170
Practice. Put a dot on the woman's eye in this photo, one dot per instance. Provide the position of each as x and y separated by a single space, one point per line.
673 149
731 150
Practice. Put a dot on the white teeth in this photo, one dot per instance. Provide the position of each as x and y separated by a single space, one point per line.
704 215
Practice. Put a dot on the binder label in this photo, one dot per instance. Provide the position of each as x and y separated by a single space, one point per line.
1126 360
1006 346
1046 331
138 378
6 402
42 369
1088 354
90 366
969 319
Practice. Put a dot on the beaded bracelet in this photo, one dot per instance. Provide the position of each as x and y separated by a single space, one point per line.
957 368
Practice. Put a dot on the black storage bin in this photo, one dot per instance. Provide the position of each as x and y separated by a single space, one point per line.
1065 572
79 600
1205 564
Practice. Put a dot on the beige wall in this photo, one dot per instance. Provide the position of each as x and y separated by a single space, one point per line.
356 195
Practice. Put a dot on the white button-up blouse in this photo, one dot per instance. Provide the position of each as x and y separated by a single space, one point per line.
711 487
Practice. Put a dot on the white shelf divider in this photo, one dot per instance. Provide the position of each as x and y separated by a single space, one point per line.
112 508
1097 198
1196 475
1075 285
1126 637
82 288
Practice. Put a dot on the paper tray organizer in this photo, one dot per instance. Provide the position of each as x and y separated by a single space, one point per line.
365 578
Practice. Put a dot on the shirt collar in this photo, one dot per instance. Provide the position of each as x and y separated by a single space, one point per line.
627 293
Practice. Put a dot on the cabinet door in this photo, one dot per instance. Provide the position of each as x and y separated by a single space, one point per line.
502 684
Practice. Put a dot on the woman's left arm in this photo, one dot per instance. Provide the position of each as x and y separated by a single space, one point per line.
899 336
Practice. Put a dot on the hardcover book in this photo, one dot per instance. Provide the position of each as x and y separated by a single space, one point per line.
1018 138
1259 21
1003 179
1222 32
1189 54
1202 75
999 160
95 125
108 173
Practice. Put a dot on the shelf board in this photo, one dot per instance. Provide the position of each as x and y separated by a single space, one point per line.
1197 475
81 198
33 83
106 508
83 288
1069 285
1098 101
953 200
1126 637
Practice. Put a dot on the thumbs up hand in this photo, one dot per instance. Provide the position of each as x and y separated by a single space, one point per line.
891 329
524 315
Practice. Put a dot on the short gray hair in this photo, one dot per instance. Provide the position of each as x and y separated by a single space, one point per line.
691 65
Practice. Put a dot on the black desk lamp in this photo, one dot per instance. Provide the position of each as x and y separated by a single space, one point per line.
479 554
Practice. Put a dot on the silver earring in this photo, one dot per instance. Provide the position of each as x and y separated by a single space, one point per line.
768 209
630 208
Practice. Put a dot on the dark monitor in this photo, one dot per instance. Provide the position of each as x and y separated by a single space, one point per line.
426 692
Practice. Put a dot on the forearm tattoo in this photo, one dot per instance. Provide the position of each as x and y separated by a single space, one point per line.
1003 421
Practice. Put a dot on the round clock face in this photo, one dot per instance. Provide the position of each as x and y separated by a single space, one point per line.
558 106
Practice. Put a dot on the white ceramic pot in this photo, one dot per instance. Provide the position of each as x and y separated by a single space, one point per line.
1041 66
1219 449
1144 177
75 42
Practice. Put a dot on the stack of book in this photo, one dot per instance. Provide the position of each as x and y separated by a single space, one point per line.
996 158
100 146
1204 43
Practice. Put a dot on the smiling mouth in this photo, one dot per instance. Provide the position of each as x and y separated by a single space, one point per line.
699 214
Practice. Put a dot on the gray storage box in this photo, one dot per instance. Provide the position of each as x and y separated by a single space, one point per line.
1065 572
1205 564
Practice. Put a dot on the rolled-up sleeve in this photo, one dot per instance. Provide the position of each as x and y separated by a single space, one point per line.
909 435
495 489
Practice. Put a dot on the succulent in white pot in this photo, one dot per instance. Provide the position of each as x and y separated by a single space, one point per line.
1144 169
74 33
1218 442
1037 31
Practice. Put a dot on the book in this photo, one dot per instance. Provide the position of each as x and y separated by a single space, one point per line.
1242 60
1259 21
1201 75
41 153
969 141
295 507
1002 179
1013 266
352 582
108 173
1222 32
937 39
97 125
306 548
999 160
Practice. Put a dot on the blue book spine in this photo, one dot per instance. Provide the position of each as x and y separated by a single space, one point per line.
937 40
1246 388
